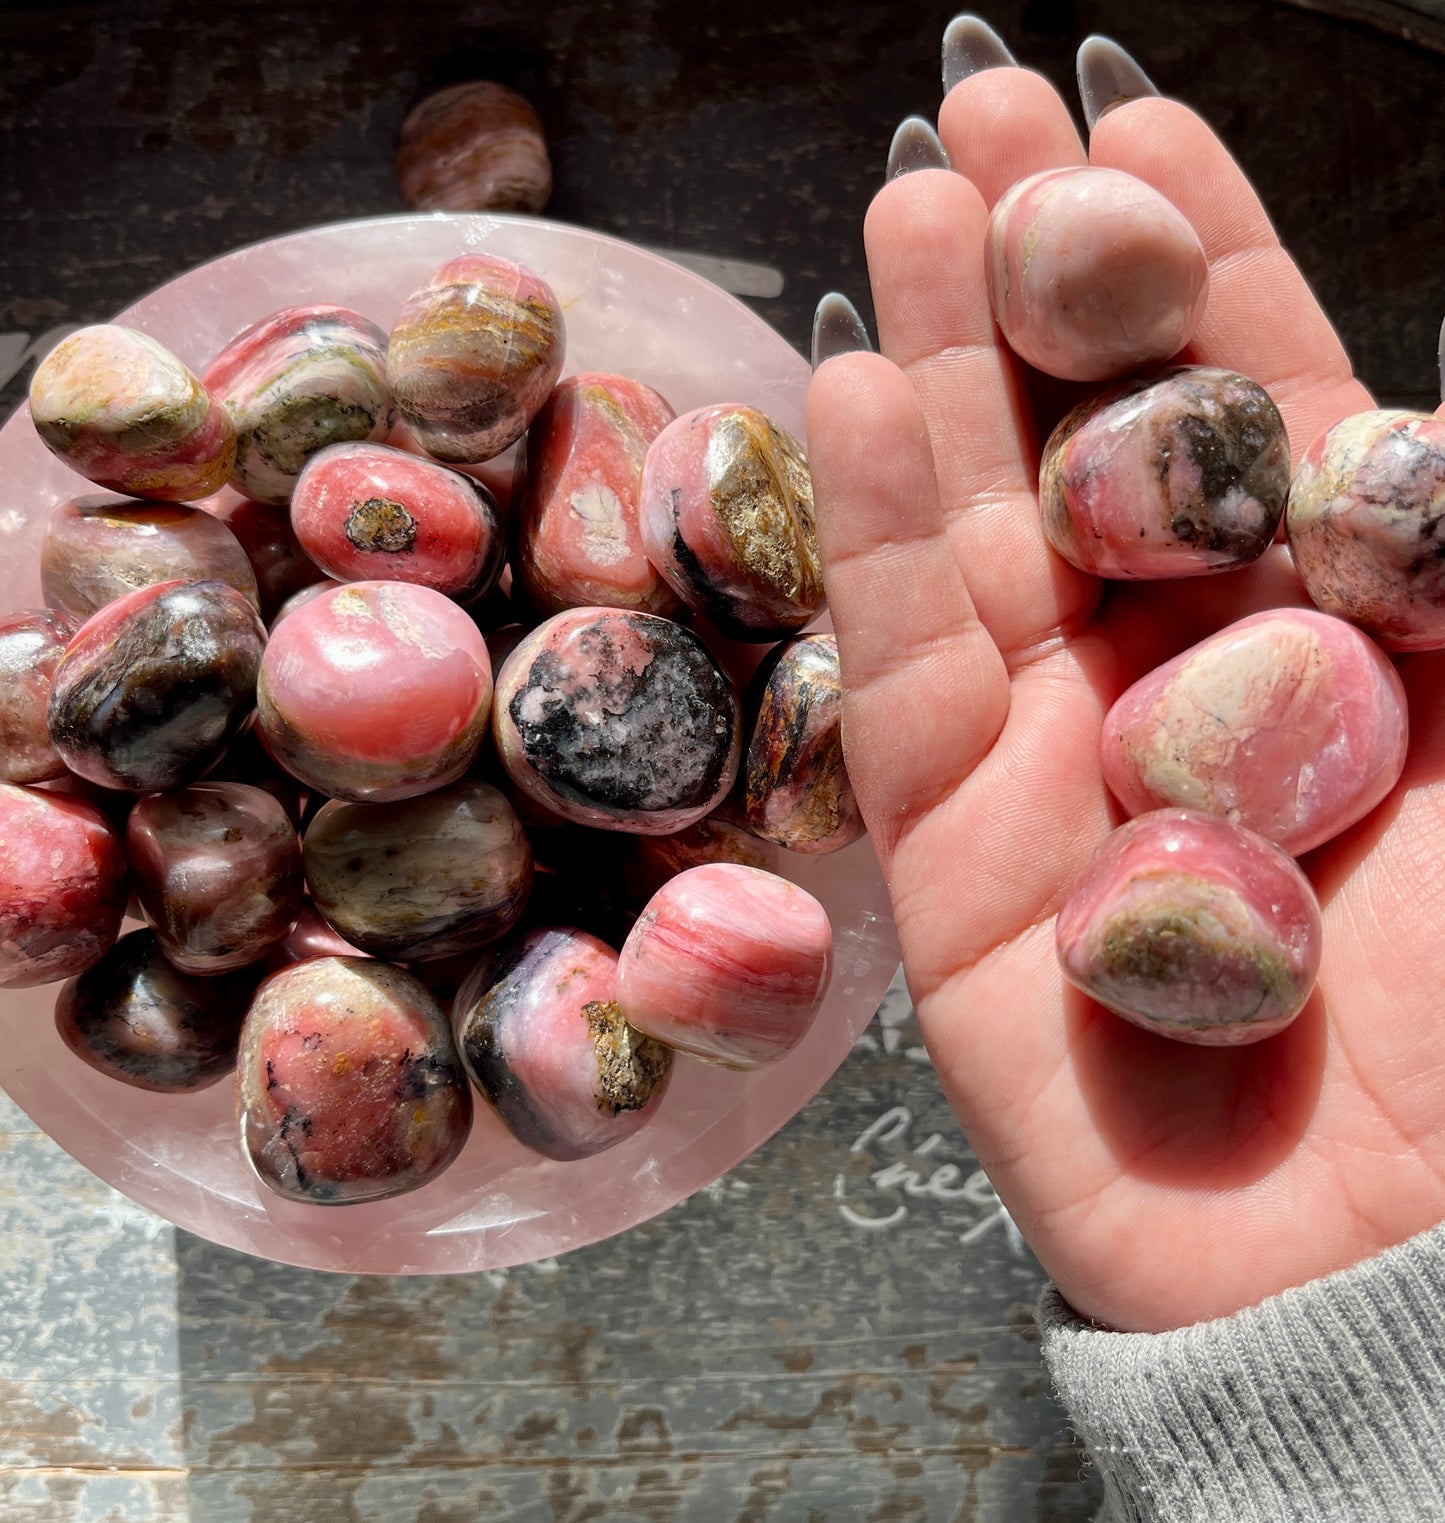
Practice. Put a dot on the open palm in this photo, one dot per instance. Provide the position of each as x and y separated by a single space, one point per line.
1159 1184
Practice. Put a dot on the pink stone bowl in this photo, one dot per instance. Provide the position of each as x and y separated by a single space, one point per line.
629 312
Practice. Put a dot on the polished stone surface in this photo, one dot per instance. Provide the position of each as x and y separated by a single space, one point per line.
32 642
474 147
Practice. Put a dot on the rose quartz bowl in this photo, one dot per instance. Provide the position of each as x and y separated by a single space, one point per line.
627 311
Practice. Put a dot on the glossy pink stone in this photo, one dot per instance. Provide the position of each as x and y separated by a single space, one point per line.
263 530
1092 273
364 512
302 598
32 642
1193 928
138 1019
310 937
217 869
727 963
1183 475
539 1031
1290 723
1366 525
155 686
619 720
726 510
424 878
294 383
474 147
97 549
62 886
375 691
123 411
578 540
473 355
350 1088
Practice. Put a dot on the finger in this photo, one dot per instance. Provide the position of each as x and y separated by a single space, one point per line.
926 690
924 236
1002 125
1261 317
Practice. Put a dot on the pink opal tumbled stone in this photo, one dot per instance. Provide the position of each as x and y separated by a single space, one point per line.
727 518
32 641
1183 475
97 549
349 1084
1093 273
375 691
579 543
617 719
727 963
294 383
122 410
539 1031
366 512
473 355
1290 723
1366 525
62 886
1193 928
474 147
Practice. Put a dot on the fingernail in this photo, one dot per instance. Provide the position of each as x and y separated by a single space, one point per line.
837 329
1108 76
915 146
970 45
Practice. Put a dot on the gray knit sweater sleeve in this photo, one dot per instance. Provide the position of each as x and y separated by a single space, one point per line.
1323 1403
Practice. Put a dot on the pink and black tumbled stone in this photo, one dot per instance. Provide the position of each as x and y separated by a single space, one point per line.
137 1018
726 510
428 877
217 869
366 512
540 1034
97 549
154 687
795 785
619 720
32 642
1193 928
350 1088
1183 475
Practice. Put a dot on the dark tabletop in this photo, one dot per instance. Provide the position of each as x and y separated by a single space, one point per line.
842 1327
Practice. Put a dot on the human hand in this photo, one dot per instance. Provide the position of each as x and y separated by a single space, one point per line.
1159 1184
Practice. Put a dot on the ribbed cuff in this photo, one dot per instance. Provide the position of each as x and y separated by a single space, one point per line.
1325 1403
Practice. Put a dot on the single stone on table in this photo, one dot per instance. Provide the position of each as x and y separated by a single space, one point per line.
293 383
474 147
727 963
62 886
425 878
1288 722
1182 475
619 720
32 642
579 543
263 530
154 687
365 512
1366 525
123 411
1093 273
350 1088
727 518
138 1019
97 549
217 869
796 790
540 1034
375 691
1193 928
473 356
